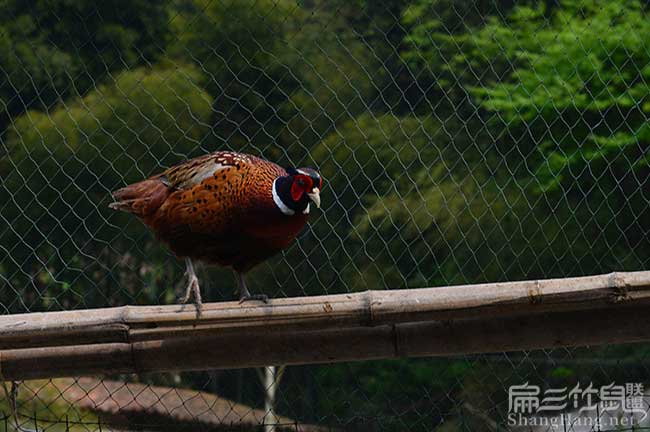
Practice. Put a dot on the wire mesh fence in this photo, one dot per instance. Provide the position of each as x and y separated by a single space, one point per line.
460 142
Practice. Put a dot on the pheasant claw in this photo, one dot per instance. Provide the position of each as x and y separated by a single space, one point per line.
260 297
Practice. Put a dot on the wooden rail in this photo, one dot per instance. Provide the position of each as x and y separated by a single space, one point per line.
592 310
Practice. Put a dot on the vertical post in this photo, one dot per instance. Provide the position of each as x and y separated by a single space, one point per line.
270 377
269 398
13 401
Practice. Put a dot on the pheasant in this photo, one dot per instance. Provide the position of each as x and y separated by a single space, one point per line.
225 208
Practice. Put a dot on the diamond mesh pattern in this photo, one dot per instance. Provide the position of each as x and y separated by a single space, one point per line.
460 142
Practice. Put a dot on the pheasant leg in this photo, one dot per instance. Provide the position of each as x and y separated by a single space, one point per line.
192 285
244 294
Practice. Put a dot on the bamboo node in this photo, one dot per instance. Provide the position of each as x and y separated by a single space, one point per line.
535 294
620 285
370 309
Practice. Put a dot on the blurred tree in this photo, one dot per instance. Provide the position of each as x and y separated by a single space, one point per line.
336 75
63 164
240 47
50 49
559 94
436 35
366 158
459 141
417 389
282 76
577 80
372 28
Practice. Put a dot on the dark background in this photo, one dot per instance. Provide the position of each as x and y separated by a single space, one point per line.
460 142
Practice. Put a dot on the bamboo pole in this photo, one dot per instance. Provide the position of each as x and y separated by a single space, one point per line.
375 324
129 324
250 349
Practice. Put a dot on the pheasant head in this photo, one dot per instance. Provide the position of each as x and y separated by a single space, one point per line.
294 192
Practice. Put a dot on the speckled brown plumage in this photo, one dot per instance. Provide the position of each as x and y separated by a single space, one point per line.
217 208
227 208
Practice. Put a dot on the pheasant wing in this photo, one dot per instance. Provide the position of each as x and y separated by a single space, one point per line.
193 172
208 198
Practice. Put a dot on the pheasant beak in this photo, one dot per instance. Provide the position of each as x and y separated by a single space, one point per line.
314 195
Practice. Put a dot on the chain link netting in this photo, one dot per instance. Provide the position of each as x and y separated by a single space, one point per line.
460 142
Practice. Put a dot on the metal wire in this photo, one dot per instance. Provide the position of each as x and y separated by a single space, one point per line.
460 142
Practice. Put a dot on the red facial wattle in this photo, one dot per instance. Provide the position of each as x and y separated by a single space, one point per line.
302 184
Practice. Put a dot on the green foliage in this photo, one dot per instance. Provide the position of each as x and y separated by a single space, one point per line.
437 36
585 63
381 387
366 158
375 153
441 226
335 73
53 416
55 48
280 84
560 93
137 120
459 142
66 162
239 46
562 373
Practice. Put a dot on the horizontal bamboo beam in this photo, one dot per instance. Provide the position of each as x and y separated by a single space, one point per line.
130 324
465 319
250 349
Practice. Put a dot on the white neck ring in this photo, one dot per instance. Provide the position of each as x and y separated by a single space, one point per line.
278 202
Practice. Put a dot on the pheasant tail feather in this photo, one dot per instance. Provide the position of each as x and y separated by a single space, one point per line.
142 198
